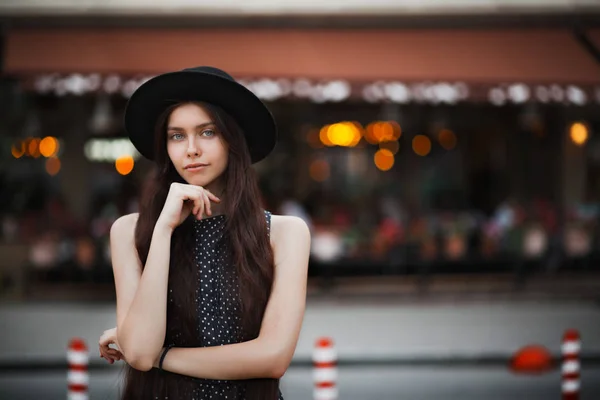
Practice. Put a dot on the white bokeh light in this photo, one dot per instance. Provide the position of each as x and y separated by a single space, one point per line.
518 93
497 96
398 92
576 95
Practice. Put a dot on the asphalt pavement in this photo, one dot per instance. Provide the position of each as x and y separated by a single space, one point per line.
354 383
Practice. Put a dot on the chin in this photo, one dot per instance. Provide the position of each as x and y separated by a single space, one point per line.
199 181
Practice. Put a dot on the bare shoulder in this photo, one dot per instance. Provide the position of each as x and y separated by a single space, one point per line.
289 229
123 229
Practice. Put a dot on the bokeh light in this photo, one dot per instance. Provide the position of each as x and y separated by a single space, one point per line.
344 134
319 170
382 131
53 165
421 145
18 150
323 135
447 139
579 133
124 164
384 159
48 146
358 132
341 134
33 147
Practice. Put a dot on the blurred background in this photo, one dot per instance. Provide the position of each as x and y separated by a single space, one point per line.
445 155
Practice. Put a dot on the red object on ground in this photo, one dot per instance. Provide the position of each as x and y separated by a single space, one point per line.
532 359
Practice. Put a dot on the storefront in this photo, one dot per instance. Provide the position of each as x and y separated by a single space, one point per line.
384 133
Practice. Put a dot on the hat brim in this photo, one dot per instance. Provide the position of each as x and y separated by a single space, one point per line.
154 96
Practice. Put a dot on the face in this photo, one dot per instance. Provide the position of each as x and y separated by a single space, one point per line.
196 148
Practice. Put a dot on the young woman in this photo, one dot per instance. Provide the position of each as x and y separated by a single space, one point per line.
210 287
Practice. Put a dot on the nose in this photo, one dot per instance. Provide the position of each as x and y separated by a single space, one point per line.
193 149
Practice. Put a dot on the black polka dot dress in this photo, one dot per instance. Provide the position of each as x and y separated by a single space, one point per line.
217 297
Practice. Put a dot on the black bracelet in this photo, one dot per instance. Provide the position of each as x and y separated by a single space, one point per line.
162 357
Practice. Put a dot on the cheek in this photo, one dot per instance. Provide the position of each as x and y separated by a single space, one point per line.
174 153
222 153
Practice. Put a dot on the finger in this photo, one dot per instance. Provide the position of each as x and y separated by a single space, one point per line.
196 195
191 196
212 196
108 336
116 357
111 358
207 203
106 344
107 357
105 349
200 203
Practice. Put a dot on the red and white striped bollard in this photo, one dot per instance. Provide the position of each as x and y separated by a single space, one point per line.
325 370
571 367
77 377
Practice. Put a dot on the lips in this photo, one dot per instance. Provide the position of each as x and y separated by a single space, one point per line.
196 166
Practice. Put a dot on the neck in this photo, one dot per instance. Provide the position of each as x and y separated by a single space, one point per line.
217 189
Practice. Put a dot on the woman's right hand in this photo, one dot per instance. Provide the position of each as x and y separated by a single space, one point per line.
183 200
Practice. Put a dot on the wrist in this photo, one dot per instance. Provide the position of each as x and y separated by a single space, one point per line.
162 228
157 359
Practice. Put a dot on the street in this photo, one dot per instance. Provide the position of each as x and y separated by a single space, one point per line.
355 383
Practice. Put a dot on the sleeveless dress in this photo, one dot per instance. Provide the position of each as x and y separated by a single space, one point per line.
216 302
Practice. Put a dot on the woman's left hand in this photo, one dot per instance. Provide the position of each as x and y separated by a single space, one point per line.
110 354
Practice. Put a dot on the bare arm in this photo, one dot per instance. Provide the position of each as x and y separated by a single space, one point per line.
141 297
269 355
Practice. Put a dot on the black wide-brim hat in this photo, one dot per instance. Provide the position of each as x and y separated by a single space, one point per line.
205 84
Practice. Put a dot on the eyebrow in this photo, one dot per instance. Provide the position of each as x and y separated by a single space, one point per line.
176 128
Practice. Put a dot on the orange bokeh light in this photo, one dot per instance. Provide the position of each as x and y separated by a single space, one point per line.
33 148
384 159
18 150
124 165
421 145
383 131
579 133
323 135
48 146
53 166
447 139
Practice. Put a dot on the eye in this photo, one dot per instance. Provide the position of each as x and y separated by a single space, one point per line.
208 133
176 136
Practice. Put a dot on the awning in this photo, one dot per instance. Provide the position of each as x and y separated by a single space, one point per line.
477 56
287 8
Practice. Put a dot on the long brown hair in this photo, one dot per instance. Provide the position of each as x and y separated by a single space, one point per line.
251 254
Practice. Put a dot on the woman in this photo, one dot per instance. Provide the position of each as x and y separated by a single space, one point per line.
210 287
